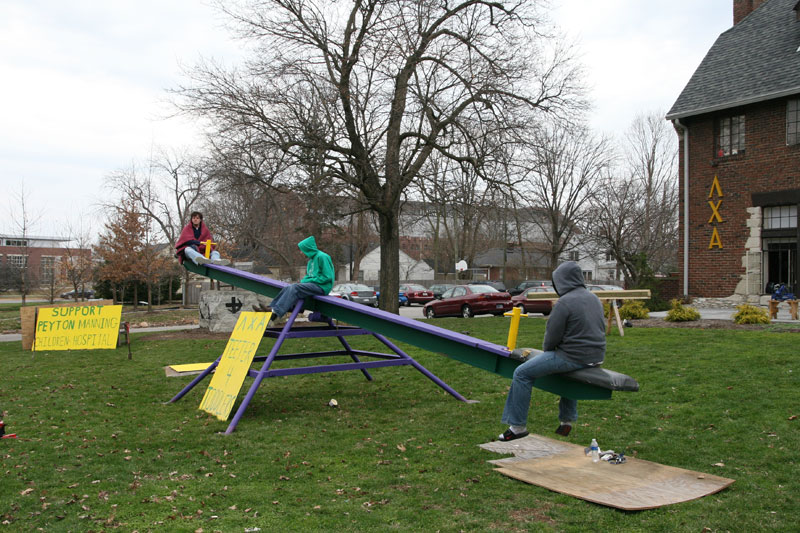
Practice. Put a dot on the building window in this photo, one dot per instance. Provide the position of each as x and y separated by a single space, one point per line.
16 242
730 136
780 217
48 269
19 261
574 256
587 275
792 122
609 256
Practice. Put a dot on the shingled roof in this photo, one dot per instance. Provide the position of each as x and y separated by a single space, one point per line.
758 59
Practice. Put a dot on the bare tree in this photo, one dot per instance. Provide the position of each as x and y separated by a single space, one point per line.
166 189
76 260
368 90
23 221
635 213
562 173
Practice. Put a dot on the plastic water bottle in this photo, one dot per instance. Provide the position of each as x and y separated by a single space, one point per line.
595 451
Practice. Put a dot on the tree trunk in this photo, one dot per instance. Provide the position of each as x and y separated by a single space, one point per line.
135 296
149 297
390 260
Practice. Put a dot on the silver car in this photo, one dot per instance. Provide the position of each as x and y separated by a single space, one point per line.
355 292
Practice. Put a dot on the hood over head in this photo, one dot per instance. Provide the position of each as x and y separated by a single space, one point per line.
308 246
567 276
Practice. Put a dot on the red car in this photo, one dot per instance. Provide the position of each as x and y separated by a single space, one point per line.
533 306
468 301
416 294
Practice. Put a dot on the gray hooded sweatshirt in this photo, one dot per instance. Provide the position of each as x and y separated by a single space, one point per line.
576 328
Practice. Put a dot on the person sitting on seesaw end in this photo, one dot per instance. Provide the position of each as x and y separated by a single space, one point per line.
192 243
574 338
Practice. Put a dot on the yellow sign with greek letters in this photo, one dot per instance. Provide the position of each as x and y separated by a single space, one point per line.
90 327
234 364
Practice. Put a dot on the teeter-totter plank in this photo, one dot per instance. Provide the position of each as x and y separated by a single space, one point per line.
491 357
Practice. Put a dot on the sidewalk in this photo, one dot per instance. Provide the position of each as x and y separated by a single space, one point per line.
9 337
716 310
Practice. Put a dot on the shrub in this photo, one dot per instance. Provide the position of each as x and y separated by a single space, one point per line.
634 309
679 313
750 314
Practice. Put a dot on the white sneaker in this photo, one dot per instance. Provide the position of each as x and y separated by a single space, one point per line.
201 260
222 262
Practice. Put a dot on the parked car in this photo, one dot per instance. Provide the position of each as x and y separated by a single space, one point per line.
416 294
530 283
533 306
355 292
604 288
88 293
468 301
494 283
402 300
439 289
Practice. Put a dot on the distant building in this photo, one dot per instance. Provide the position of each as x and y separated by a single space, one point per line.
41 255
411 269
738 121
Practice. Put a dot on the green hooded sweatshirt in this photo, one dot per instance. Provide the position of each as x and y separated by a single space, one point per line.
320 267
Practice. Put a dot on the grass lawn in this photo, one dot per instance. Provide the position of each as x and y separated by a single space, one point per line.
99 450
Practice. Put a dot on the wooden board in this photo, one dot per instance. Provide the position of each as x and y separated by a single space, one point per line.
189 369
632 486
630 294
27 315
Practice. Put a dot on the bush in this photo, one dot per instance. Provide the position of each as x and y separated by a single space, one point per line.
679 313
750 314
633 309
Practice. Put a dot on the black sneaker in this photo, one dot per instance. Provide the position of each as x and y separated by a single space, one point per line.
564 429
510 435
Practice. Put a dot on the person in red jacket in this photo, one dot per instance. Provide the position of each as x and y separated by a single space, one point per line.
192 243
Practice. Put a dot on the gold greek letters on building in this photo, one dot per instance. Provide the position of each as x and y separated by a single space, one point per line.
715 213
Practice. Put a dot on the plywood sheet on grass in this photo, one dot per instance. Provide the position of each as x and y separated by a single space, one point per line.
632 486
174 371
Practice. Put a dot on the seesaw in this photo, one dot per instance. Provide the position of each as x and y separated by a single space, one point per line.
364 320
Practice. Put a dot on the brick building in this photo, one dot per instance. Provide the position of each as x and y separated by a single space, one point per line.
43 256
738 121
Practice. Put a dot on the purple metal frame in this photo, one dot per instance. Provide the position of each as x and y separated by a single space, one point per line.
398 358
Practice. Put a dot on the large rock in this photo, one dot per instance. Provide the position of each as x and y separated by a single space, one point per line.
219 310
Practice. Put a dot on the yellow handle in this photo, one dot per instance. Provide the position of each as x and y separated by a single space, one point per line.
514 329
208 247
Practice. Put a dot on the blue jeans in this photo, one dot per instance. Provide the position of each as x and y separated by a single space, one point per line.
287 298
518 401
190 252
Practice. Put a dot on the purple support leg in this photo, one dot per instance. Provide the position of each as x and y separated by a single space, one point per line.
267 362
350 350
422 369
195 381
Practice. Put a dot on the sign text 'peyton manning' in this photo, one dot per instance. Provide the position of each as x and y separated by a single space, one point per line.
93 327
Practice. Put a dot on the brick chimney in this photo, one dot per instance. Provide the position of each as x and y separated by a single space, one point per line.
742 8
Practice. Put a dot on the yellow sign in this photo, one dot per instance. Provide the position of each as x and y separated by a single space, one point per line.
94 327
234 364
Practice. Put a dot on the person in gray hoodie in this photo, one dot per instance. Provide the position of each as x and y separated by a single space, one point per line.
574 338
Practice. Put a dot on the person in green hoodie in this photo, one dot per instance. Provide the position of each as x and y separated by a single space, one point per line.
319 278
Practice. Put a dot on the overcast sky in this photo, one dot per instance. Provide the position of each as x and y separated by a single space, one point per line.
83 83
